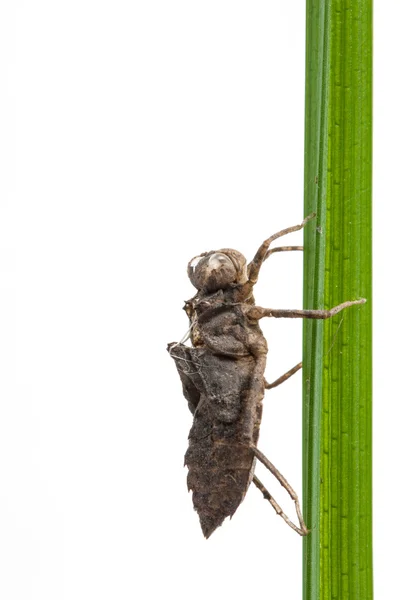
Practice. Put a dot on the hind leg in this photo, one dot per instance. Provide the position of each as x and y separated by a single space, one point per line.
302 530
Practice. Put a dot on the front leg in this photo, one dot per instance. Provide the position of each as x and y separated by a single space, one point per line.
263 252
283 249
257 312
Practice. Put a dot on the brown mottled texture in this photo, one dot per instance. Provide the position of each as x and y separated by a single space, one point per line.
223 381
222 376
225 396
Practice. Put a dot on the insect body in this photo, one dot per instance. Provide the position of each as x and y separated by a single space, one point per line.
223 381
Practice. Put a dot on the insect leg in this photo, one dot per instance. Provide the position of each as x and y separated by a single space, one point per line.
257 312
300 530
284 483
262 253
282 249
282 378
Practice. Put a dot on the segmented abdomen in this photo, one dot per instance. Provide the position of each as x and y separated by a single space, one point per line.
226 424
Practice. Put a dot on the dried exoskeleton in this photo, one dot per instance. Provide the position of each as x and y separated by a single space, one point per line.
223 380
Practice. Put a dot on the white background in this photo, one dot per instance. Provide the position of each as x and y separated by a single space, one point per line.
135 135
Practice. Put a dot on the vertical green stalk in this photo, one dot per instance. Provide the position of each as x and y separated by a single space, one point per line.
338 352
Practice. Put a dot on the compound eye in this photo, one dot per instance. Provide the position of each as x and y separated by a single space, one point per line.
195 261
217 259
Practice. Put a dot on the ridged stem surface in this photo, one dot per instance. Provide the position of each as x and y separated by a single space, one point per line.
338 352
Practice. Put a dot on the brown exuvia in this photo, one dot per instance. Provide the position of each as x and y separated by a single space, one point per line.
223 381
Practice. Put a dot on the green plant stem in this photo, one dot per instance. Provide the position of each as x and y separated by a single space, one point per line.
337 353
